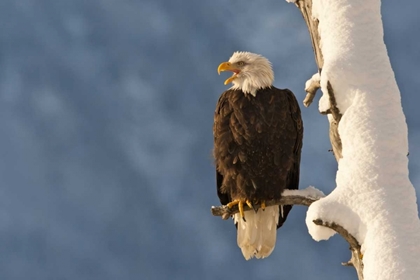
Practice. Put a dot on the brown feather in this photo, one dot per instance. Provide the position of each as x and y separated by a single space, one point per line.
257 145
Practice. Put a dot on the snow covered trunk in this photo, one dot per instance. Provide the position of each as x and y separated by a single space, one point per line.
374 199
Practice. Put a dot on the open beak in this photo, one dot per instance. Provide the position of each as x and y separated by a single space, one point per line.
227 66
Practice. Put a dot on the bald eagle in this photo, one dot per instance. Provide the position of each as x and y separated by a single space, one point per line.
258 135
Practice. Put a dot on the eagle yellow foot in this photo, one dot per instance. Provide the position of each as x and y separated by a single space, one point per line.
257 205
262 205
240 203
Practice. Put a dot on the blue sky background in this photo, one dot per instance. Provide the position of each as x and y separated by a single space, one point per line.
106 120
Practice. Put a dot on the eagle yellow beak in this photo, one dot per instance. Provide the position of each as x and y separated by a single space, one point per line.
227 66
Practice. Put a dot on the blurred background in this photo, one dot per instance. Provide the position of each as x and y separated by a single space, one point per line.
106 121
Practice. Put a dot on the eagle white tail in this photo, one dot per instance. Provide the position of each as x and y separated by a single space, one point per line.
257 236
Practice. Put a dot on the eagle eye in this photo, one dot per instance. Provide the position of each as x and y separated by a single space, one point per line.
241 63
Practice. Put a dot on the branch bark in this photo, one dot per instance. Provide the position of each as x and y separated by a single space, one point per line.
225 212
289 197
356 255
334 121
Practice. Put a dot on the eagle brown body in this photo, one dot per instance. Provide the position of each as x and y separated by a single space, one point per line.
257 145
258 135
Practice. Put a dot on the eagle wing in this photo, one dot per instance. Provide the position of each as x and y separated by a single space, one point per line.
221 116
258 142
294 173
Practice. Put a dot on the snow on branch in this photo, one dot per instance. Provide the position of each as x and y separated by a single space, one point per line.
311 87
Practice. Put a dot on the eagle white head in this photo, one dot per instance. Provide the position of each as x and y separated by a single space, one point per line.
251 72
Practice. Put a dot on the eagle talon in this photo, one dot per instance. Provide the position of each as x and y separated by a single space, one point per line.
255 207
249 203
241 209
233 203
263 205
252 205
240 204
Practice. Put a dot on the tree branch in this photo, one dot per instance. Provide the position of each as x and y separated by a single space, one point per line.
334 121
305 7
355 248
311 87
289 197
303 197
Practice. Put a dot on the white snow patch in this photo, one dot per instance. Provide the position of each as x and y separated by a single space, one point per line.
314 79
324 103
310 192
374 198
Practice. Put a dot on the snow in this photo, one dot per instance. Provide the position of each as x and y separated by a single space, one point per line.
374 198
310 192
315 79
